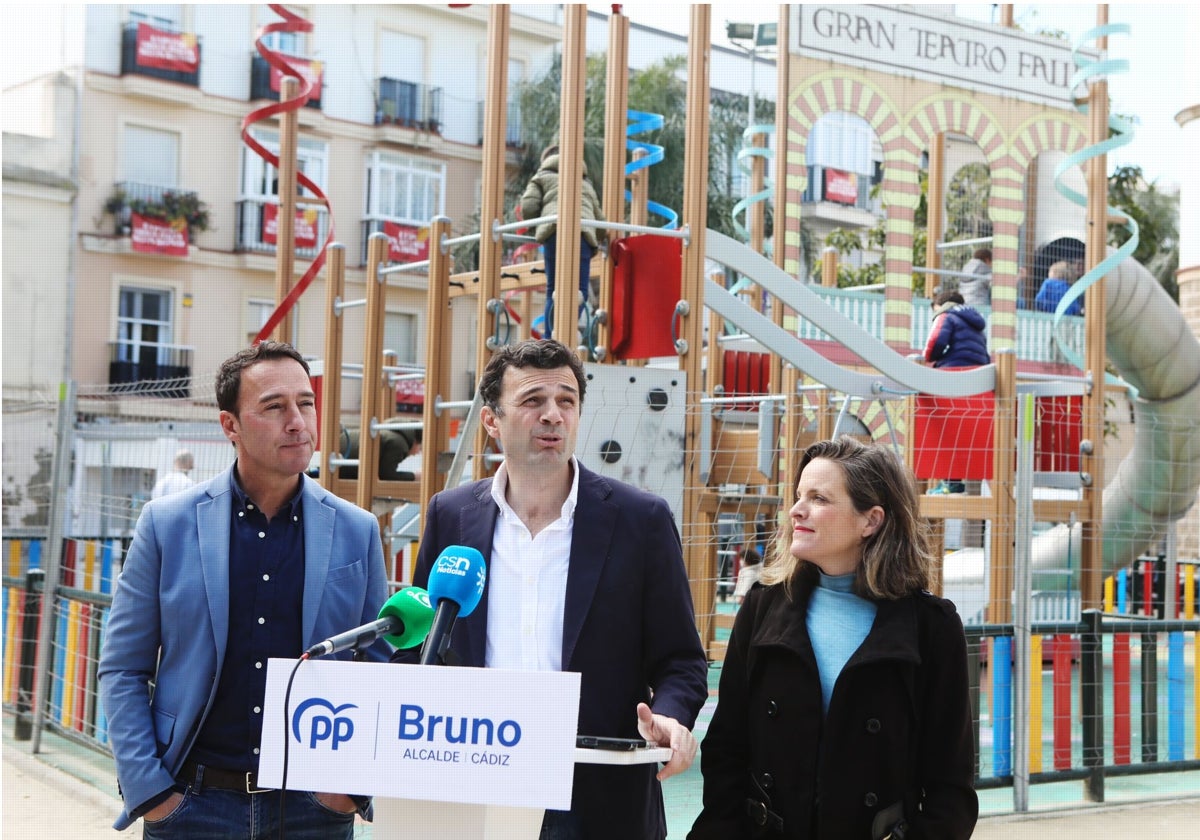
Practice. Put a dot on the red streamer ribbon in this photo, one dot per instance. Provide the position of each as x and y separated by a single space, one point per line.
291 23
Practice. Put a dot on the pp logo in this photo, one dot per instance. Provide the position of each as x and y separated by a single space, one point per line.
333 727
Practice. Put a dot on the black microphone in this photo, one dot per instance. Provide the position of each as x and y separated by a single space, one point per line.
404 620
455 587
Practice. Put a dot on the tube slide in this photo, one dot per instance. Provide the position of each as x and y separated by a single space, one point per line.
1154 350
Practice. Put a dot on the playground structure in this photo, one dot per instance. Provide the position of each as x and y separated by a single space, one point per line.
782 364
916 400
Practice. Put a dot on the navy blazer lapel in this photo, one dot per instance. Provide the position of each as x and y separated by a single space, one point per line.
595 523
476 526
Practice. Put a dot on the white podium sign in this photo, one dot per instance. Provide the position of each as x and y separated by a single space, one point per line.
468 735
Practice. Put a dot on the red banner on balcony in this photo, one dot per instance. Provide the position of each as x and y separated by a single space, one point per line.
176 51
841 187
304 230
411 393
406 243
310 70
156 236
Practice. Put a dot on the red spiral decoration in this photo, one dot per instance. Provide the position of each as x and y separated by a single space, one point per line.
291 23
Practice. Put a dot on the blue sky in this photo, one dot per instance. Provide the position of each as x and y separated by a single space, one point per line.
1149 90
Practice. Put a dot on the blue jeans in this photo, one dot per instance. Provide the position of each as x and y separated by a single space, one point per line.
210 814
550 254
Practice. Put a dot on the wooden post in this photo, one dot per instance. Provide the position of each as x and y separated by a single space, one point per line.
1004 510
285 222
570 174
829 267
699 554
1092 543
495 116
368 442
757 212
435 437
616 120
715 352
784 381
936 226
639 188
331 380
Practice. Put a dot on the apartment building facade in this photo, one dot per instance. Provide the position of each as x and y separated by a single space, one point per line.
391 135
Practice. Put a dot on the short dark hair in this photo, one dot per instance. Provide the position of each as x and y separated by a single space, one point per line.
984 254
229 375
951 296
540 353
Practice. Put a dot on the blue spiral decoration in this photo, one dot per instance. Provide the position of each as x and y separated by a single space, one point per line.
643 122
1086 69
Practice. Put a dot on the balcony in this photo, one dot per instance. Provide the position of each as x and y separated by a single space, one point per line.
160 54
260 82
512 124
408 104
130 196
156 370
1035 330
254 235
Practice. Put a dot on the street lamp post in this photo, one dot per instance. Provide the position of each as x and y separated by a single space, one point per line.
757 35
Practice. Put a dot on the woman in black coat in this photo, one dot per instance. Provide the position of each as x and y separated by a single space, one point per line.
843 710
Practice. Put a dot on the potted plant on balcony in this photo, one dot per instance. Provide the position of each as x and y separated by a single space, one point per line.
171 206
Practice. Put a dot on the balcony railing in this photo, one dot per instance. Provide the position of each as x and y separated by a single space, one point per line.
130 63
251 229
159 370
260 83
408 104
1035 330
512 126
134 191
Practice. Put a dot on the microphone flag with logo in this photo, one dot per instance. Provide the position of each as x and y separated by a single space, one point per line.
404 621
456 584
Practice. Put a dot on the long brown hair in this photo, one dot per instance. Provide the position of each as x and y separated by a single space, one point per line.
896 558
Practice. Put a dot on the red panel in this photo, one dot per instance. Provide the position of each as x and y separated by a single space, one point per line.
1121 689
1060 430
1062 702
742 382
646 283
953 437
68 563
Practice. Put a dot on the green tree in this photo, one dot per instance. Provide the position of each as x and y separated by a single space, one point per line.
1157 216
657 89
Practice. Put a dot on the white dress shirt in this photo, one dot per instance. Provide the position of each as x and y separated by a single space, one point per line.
527 586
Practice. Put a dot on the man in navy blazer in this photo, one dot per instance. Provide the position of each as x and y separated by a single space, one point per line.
257 562
585 574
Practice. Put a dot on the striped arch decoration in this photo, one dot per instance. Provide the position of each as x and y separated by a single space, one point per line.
819 95
1044 133
953 112
1050 133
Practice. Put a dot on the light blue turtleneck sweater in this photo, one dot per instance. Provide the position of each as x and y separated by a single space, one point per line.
837 622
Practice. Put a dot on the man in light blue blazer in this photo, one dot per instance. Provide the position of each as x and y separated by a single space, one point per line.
258 562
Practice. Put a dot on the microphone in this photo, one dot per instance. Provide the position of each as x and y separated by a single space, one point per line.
404 621
455 587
